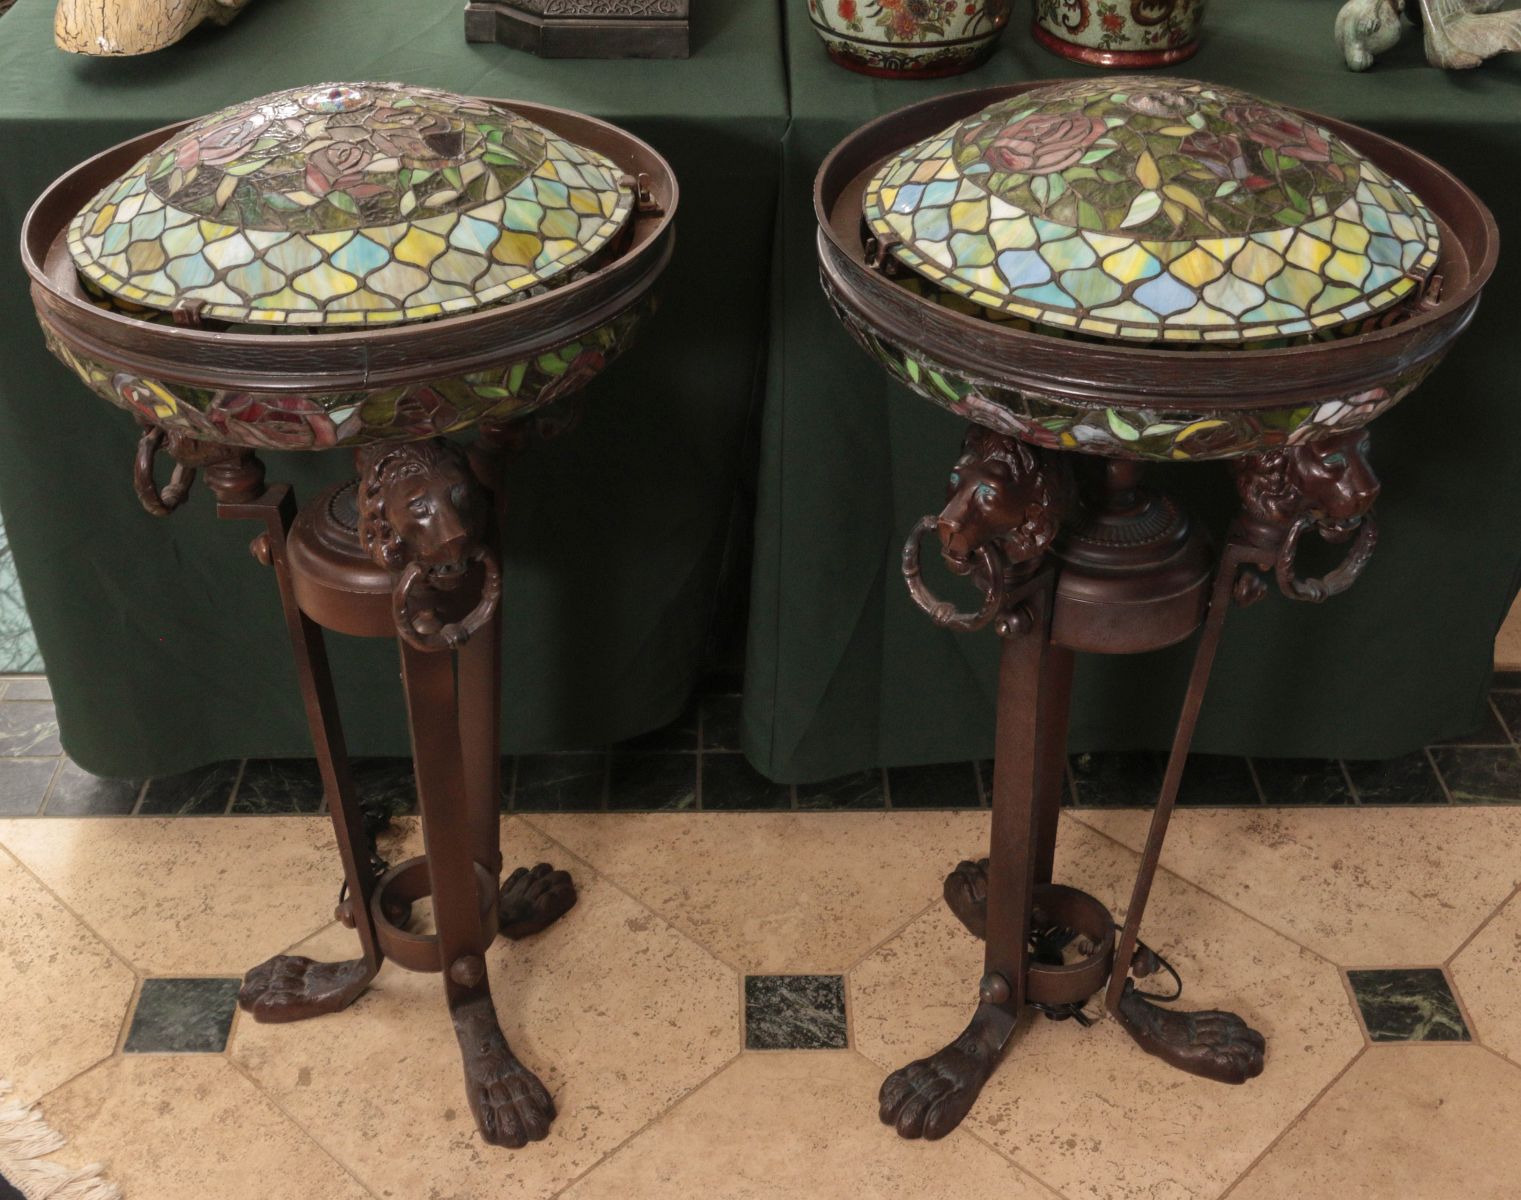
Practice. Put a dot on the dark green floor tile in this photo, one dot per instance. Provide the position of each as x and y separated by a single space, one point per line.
729 783
24 784
1413 1004
936 785
279 785
1408 779
1309 781
1115 779
1480 774
860 790
182 1016
77 793
560 782
202 792
651 782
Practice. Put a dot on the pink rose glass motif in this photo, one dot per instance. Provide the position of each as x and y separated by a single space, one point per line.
1043 143
1281 132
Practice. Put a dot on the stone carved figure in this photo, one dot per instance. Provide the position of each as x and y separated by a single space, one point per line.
1458 33
125 27
1367 28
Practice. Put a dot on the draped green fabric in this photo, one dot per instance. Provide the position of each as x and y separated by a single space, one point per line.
165 643
163 639
844 672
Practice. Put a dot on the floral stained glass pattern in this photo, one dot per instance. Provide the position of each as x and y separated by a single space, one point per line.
349 204
1154 209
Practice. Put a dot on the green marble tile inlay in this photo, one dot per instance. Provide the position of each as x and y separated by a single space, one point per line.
1408 1005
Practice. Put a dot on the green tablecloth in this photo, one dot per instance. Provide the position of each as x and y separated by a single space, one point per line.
844 672
163 640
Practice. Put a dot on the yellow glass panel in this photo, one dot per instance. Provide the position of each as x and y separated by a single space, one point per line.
419 247
1196 268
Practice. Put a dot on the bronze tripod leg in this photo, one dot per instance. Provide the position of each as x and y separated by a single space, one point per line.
1216 1045
930 1097
291 987
511 1106
966 887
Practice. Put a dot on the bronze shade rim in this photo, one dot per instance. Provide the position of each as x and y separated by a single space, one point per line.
357 358
1214 375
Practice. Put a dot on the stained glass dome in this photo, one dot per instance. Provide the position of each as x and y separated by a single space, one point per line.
1157 209
349 204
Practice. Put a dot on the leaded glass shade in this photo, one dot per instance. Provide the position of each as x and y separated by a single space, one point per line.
349 204
1157 209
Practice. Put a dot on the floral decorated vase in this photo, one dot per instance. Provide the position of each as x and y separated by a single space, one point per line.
1120 33
909 38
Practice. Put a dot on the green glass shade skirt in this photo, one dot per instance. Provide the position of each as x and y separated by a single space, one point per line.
286 420
1155 209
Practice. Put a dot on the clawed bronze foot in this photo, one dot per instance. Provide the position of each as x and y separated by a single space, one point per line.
966 895
534 899
291 988
1217 1045
930 1097
511 1106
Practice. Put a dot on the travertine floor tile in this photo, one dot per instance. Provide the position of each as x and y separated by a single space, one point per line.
63 995
1360 886
792 1124
618 1013
188 895
1405 1123
1085 1110
778 893
1488 978
190 1127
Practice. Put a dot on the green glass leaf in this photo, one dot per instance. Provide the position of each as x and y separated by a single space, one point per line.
1226 188
493 393
1142 209
343 202
1098 154
452 177
1122 428
515 377
1088 216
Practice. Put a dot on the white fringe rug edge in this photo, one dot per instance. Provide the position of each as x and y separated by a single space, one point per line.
24 1138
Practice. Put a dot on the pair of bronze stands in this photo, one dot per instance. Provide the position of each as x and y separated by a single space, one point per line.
1068 559
409 550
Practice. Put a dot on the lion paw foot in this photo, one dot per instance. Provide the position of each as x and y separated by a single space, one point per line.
291 988
510 1105
930 1097
966 895
534 899
1215 1045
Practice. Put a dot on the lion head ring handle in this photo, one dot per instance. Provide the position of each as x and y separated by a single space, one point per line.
422 630
1336 581
942 612
159 502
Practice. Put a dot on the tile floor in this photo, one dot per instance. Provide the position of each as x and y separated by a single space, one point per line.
695 765
715 1016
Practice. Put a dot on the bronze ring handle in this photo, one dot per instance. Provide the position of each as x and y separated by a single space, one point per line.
455 633
159 503
1337 581
942 612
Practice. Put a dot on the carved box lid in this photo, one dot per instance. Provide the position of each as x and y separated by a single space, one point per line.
349 204
1156 209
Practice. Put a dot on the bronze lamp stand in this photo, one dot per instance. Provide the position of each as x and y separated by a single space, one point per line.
1072 552
410 549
